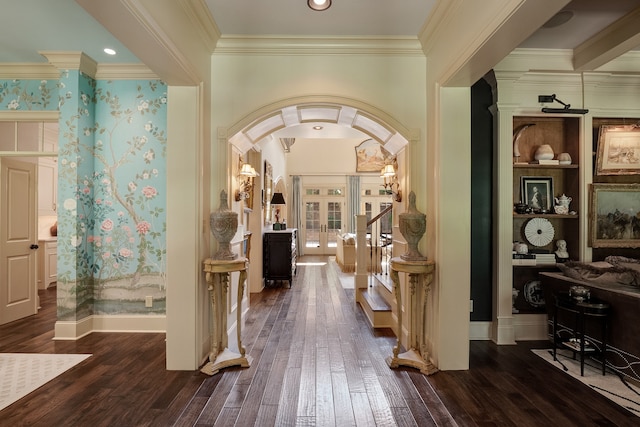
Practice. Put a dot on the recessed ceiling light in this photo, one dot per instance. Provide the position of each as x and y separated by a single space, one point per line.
317 128
109 51
319 4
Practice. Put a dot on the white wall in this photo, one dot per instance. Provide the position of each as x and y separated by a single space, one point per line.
330 156
243 84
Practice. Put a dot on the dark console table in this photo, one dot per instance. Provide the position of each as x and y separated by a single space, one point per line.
279 255
579 313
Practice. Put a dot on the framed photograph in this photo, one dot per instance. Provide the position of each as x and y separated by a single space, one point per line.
618 150
614 216
371 156
537 193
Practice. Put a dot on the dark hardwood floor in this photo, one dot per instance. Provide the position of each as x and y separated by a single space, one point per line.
316 362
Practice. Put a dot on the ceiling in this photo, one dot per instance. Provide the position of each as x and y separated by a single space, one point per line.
30 26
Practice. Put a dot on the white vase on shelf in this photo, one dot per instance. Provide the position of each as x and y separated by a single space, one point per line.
544 152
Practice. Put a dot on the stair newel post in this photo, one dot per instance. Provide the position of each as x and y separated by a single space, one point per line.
361 255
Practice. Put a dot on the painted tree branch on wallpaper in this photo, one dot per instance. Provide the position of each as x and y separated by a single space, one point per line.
28 94
119 201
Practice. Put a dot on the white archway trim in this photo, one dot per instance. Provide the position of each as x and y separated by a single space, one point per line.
322 109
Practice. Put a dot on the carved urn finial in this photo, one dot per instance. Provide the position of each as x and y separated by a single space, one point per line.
413 225
224 224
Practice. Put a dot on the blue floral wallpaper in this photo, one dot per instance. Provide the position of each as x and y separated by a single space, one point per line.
29 95
111 190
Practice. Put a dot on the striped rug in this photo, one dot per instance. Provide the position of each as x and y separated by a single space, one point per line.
618 389
22 373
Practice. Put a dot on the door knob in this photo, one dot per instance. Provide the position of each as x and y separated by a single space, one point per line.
34 246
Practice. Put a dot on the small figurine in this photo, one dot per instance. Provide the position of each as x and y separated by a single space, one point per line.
561 253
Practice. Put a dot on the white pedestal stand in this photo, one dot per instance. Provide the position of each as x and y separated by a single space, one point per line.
217 275
420 278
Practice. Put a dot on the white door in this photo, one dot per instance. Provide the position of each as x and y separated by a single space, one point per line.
324 217
18 240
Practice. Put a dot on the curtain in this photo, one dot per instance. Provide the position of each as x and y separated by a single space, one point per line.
353 202
296 211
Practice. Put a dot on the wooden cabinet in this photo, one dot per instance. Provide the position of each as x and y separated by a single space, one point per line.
47 262
279 255
563 135
47 186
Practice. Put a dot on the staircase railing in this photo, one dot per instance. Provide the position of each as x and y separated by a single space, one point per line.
380 242
363 256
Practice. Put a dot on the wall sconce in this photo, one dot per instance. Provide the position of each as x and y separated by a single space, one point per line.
245 181
566 109
388 173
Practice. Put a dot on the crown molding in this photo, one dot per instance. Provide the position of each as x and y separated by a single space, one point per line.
524 60
71 60
561 60
50 71
290 45
199 14
125 72
29 71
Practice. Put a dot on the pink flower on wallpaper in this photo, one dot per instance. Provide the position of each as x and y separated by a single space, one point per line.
86 190
149 192
143 227
106 255
125 252
107 225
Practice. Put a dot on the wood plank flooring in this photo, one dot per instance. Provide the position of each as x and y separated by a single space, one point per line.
316 362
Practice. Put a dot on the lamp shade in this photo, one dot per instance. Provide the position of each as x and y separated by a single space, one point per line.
247 170
388 171
277 199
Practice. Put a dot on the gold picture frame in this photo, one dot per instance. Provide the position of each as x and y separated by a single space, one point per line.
267 192
614 216
371 156
618 150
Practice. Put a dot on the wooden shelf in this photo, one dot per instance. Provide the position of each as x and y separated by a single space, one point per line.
536 166
548 216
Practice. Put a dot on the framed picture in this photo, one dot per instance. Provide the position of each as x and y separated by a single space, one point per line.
537 192
614 216
267 192
371 156
618 150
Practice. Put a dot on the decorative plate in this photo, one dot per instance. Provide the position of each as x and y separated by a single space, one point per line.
539 231
533 293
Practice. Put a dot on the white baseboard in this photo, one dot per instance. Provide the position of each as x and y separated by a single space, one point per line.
73 330
480 331
530 327
523 327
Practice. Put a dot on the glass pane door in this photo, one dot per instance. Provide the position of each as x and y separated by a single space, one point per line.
323 221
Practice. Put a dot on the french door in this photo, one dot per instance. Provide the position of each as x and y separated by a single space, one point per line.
324 218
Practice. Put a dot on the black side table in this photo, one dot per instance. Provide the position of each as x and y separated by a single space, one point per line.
592 308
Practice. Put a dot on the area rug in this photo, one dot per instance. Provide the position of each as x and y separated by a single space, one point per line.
22 373
612 386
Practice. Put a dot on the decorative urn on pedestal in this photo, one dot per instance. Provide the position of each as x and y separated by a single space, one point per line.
413 225
224 224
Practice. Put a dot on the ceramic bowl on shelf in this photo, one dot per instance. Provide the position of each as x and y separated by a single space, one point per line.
564 158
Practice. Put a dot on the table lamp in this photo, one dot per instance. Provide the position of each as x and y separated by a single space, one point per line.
277 200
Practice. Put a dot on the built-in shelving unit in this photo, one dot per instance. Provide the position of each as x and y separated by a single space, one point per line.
563 134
